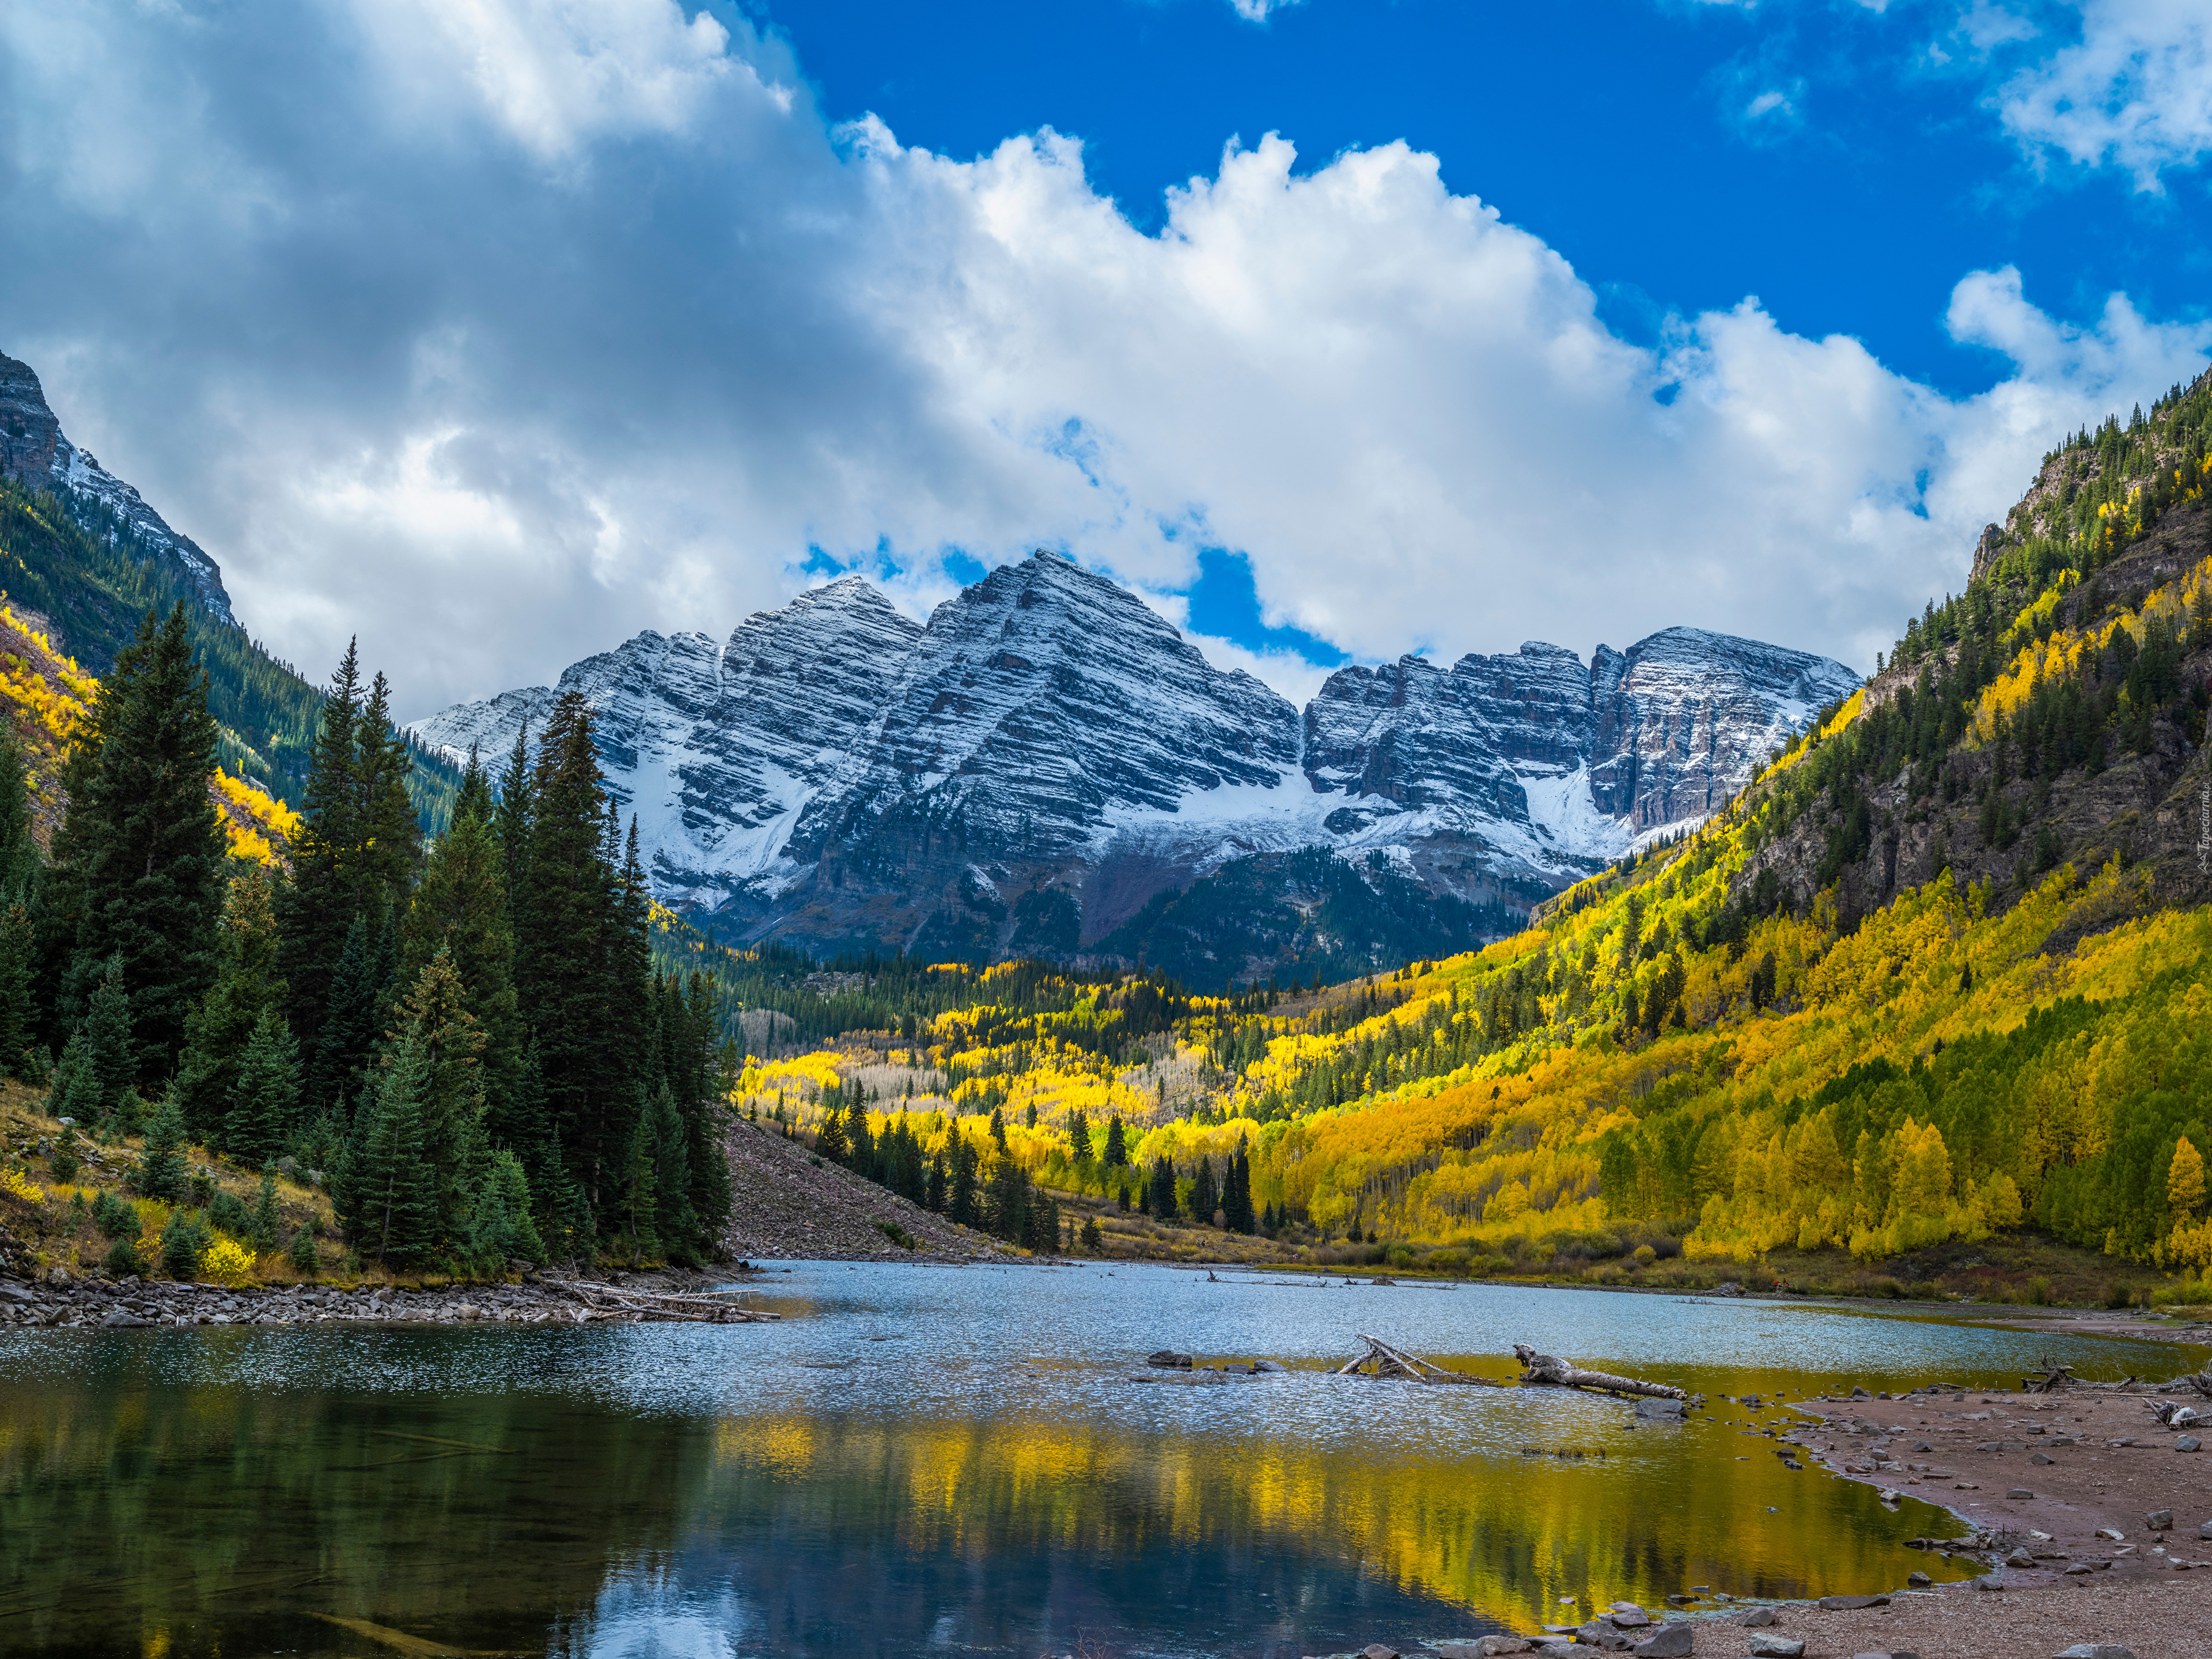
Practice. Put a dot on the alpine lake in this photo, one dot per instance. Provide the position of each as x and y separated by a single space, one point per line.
924 1460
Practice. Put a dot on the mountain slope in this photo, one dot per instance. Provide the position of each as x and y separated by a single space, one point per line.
83 558
35 453
1047 762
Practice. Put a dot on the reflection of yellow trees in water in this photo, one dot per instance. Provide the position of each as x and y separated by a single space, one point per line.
1621 1514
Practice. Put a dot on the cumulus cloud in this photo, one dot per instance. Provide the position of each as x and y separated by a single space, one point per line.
503 333
2134 92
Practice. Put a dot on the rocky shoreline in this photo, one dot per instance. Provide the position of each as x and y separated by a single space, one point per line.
59 1302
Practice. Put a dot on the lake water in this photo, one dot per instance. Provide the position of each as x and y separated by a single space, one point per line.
934 1461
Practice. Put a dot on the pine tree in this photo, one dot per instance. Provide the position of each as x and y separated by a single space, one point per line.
18 1014
640 1192
675 1222
998 1130
266 1220
390 834
517 805
501 1230
432 1018
262 1105
1117 1147
961 1206
161 1167
386 1191
1078 1134
110 1054
346 1035
1203 1199
581 957
19 849
1163 1195
829 1140
139 859
461 907
863 1155
319 906
246 987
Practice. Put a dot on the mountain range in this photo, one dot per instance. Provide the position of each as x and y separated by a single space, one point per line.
1047 767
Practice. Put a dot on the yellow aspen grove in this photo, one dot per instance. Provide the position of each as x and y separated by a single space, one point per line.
2184 1180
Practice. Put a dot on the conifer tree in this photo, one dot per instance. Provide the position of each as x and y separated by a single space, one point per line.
346 1036
511 819
675 1222
319 906
501 1229
266 1220
578 972
246 987
19 1013
1203 1199
161 1167
961 1206
640 1191
19 849
262 1104
434 1018
1117 1147
829 1140
140 856
1165 1204
461 907
386 1192
109 1053
1078 1134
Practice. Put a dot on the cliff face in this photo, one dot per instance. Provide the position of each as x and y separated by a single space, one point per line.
1048 756
35 452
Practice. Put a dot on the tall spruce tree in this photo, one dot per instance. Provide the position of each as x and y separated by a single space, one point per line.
266 1098
247 985
109 1052
347 1034
385 1190
140 857
19 892
318 907
434 1018
460 908
581 958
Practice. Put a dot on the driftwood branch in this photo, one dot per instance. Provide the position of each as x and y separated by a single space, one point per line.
2048 1377
1396 1363
1545 1368
660 1306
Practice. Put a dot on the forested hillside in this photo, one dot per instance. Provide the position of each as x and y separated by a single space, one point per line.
73 569
1939 972
466 1036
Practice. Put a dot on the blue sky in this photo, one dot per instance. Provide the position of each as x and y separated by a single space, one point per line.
1620 131
495 332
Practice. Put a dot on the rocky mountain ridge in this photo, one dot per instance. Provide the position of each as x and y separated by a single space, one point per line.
35 452
1049 752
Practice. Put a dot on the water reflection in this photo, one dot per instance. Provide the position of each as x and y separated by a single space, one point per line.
930 1460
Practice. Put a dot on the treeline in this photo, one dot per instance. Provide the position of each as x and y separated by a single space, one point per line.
467 1037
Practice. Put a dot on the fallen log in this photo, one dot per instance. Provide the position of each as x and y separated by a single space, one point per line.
662 1307
1546 1370
1389 1362
2049 1376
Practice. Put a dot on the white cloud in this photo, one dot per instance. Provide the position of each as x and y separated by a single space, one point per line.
598 329
2136 91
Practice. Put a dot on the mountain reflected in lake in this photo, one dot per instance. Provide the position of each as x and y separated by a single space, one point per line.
924 1460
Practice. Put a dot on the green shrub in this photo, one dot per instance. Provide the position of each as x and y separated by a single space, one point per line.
182 1241
2037 1293
122 1258
303 1253
2117 1295
115 1217
226 1214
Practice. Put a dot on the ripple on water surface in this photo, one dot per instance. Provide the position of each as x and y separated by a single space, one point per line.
921 1459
